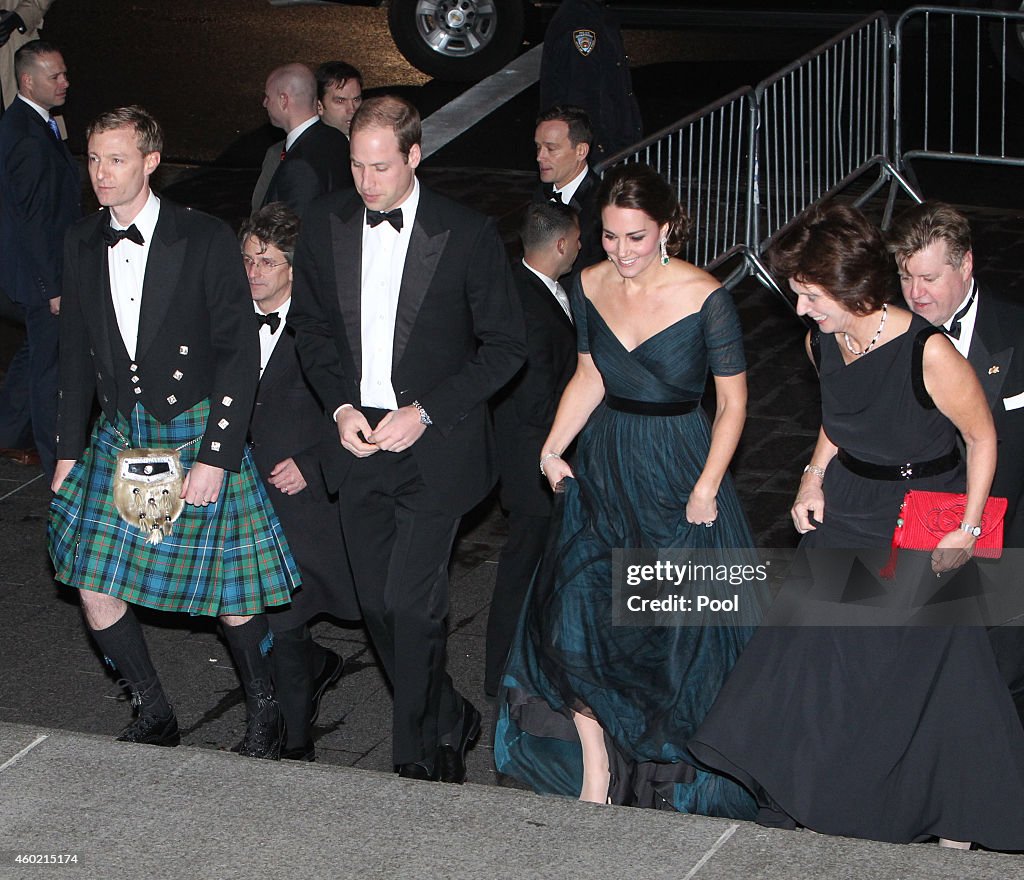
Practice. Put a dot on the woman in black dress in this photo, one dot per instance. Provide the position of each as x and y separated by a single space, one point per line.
896 733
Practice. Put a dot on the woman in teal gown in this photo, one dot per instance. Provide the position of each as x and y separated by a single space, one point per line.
590 708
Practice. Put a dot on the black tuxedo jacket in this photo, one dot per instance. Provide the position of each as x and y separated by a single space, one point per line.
584 202
458 332
525 408
197 335
288 422
998 333
317 163
39 199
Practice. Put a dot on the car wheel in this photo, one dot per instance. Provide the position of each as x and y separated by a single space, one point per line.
460 40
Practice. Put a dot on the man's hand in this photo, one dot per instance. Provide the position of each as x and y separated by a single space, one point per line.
352 423
287 478
55 305
202 484
63 468
399 429
9 23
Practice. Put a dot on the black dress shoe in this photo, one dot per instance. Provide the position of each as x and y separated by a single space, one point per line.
305 752
333 666
264 732
451 756
417 770
151 730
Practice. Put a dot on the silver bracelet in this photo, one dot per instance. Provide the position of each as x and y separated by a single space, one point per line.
544 458
819 472
424 418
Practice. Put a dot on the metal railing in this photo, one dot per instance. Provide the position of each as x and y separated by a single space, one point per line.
961 102
706 157
748 165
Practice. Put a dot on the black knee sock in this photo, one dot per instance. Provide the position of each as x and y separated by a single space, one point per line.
124 647
291 660
249 645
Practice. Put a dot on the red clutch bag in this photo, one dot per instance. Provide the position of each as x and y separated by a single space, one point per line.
925 517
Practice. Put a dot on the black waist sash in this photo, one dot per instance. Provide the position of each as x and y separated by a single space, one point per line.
909 471
650 407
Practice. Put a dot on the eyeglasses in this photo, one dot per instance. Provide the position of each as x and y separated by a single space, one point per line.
264 264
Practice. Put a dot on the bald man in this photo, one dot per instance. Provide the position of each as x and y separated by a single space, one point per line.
314 158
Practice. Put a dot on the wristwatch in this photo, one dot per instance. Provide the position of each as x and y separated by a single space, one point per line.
975 531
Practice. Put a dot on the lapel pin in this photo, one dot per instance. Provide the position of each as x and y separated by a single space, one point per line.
993 370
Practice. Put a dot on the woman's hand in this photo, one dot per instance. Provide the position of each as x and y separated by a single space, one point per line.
952 551
702 508
556 470
810 501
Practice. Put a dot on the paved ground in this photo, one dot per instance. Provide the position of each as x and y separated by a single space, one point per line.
108 799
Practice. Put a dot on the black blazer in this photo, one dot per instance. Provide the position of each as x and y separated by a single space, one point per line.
196 340
998 332
525 408
584 202
39 200
317 163
458 332
288 422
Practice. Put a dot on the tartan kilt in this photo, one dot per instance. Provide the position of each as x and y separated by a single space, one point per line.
231 557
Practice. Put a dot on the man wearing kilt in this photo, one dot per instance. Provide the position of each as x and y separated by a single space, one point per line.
156 320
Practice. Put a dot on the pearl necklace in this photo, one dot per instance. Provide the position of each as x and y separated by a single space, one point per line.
874 339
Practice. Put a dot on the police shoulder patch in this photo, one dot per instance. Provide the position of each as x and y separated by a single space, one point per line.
584 39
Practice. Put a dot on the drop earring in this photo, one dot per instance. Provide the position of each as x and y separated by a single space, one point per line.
664 252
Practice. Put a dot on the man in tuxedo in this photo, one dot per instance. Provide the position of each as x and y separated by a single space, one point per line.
562 138
39 200
20 21
287 435
932 246
406 323
157 321
339 89
524 411
314 157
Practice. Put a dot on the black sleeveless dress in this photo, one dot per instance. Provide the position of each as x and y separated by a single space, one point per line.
887 733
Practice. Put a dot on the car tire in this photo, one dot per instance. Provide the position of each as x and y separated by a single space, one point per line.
457 40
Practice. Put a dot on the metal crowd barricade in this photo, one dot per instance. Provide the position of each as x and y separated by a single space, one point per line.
823 123
706 157
955 97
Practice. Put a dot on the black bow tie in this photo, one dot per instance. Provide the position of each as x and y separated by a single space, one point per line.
394 217
112 236
552 194
954 327
272 320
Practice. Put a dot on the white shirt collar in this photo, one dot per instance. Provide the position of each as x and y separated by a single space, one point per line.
569 190
42 111
963 344
145 220
549 283
409 208
282 311
293 135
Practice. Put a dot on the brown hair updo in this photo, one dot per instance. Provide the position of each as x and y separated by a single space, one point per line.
641 188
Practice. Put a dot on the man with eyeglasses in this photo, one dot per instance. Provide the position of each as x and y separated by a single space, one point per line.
286 436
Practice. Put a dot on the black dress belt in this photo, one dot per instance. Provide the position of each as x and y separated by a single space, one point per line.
651 407
909 471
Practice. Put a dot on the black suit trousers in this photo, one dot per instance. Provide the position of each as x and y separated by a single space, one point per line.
400 542
517 564
28 397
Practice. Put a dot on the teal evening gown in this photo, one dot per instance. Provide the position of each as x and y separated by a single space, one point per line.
648 686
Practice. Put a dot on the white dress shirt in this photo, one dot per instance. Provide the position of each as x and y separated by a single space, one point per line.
569 190
384 252
127 264
268 340
963 344
293 135
42 111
